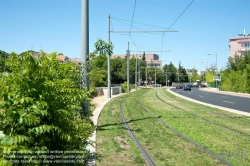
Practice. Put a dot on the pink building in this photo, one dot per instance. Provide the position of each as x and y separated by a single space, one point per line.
149 58
239 45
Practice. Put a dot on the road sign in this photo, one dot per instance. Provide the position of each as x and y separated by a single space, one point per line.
216 78
219 75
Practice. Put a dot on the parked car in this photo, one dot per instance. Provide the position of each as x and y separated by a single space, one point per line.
187 87
203 85
178 86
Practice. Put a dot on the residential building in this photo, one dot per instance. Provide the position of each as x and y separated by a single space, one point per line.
189 71
150 59
62 58
75 60
239 45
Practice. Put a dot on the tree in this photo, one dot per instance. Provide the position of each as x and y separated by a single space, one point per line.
40 107
98 62
116 70
3 57
143 57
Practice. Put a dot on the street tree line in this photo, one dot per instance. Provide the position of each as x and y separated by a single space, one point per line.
236 76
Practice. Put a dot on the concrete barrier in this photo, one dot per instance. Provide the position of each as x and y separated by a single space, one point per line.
114 90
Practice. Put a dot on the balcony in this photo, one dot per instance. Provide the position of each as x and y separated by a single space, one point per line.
244 49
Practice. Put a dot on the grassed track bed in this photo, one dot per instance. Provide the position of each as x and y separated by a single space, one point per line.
115 147
232 146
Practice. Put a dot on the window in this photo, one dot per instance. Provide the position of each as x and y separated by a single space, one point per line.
247 45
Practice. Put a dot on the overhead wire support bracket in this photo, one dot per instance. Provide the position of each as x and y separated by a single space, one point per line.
151 51
142 31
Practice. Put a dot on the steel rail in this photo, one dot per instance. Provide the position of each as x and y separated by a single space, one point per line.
217 124
218 113
184 136
149 160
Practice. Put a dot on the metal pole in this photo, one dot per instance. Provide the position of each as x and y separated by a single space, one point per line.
85 39
166 76
136 73
216 63
109 86
155 75
139 81
85 47
128 69
178 75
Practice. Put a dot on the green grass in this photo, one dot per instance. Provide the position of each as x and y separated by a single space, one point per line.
115 147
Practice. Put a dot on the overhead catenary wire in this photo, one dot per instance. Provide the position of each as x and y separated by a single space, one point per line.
132 17
131 27
117 19
176 20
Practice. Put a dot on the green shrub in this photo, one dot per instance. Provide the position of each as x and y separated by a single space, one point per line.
124 87
40 105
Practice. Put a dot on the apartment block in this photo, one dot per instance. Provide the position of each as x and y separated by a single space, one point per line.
239 45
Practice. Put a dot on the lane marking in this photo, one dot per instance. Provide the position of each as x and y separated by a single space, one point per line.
200 96
224 96
228 102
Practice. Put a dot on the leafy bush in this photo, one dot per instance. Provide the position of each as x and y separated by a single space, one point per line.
124 87
40 105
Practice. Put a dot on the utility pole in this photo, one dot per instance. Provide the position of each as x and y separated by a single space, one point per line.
136 73
109 86
139 80
178 75
146 76
85 48
128 54
155 75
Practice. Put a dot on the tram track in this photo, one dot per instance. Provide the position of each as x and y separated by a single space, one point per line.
187 112
182 135
147 157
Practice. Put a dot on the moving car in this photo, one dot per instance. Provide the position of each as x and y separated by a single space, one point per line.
187 87
178 86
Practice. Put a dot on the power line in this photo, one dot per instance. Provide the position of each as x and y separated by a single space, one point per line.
137 27
132 17
131 27
117 19
176 20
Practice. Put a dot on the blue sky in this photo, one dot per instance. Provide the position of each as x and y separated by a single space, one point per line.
55 25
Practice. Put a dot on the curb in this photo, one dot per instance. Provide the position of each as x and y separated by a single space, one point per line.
211 105
225 92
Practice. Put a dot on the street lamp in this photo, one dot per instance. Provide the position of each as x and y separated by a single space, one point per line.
216 60
205 66
216 67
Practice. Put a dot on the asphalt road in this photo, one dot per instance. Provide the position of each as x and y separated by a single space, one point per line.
223 100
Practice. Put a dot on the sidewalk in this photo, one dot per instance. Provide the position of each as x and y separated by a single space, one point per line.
100 101
215 90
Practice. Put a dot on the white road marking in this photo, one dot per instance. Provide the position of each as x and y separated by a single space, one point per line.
228 102
200 96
